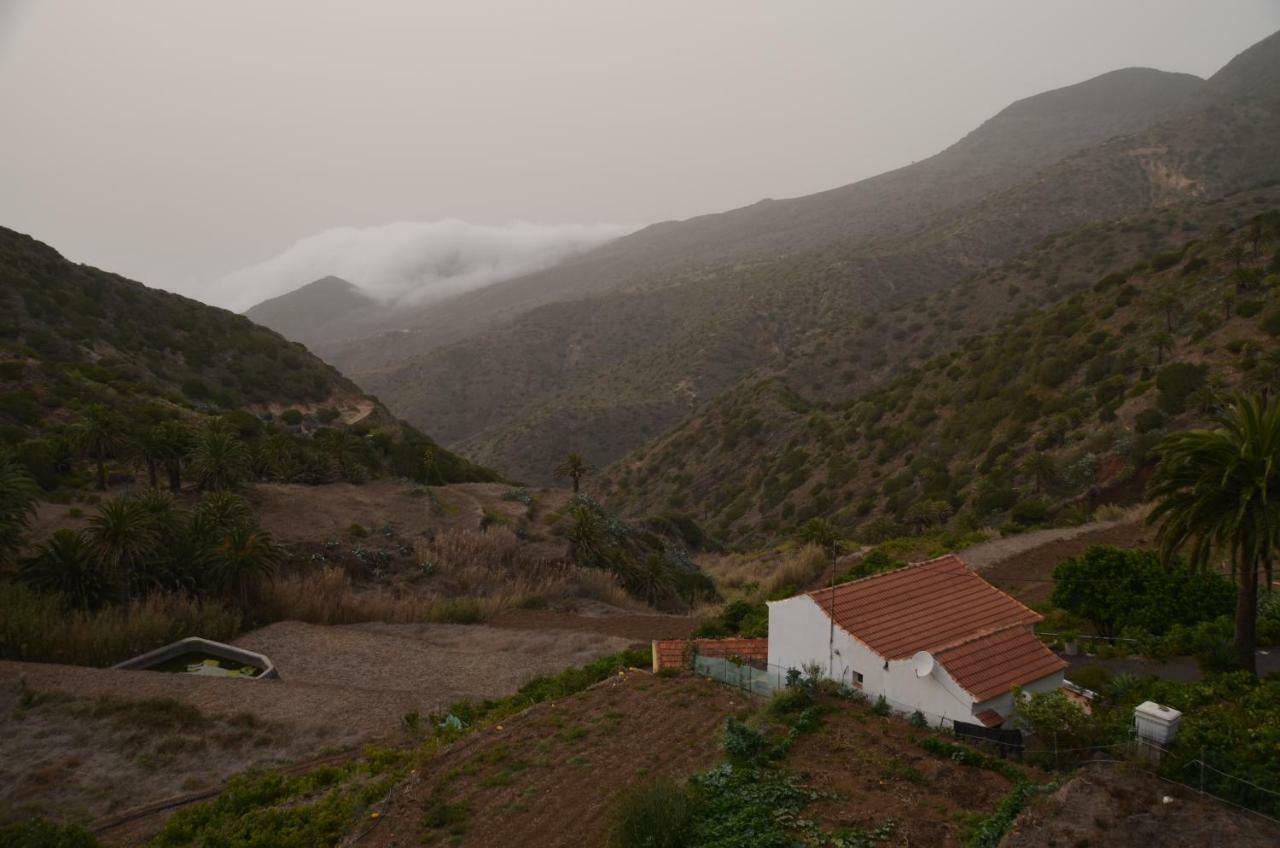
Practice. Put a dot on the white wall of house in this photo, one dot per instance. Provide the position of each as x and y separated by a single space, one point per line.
799 635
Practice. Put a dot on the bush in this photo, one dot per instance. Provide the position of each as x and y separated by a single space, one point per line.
1092 677
1176 382
292 417
1116 589
1271 323
1029 512
38 833
652 815
1148 420
35 627
881 706
741 742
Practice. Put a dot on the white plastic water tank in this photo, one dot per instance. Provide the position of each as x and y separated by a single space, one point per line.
1156 723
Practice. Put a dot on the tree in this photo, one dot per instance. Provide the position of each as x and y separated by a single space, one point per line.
344 449
574 467
68 564
1163 341
100 434
245 555
1042 470
220 460
18 494
123 534
928 513
170 443
1114 589
1218 492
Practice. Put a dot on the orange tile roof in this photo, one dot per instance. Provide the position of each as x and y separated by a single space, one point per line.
921 607
989 718
989 664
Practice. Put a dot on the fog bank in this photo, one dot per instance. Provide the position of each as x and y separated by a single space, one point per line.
412 262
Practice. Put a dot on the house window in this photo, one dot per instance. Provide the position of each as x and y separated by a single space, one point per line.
857 679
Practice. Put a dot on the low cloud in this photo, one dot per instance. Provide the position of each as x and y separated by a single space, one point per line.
413 262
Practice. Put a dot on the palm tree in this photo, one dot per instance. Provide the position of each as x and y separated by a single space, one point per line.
123 535
1042 470
245 555
574 467
1218 491
178 442
18 493
100 433
343 448
1163 342
68 564
164 445
220 512
220 460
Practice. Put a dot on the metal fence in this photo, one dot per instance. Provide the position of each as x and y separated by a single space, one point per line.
1209 773
758 681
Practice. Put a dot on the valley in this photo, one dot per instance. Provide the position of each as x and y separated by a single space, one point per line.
938 508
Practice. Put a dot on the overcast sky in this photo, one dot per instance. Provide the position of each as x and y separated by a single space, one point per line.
176 142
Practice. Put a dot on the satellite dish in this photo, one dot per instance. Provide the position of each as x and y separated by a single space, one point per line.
923 663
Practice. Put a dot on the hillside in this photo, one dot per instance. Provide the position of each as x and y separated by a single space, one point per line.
607 372
1052 412
75 338
308 314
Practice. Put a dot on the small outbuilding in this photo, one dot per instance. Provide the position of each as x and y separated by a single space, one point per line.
933 636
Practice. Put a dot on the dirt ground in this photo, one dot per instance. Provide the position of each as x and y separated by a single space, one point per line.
549 777
638 627
340 687
1119 807
77 759
1026 572
876 774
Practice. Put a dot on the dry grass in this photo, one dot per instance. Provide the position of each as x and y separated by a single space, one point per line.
757 577
35 627
473 575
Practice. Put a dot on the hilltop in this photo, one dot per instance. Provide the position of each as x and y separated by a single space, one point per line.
75 338
620 345
307 314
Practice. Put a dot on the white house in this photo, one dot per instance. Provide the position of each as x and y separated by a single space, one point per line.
932 636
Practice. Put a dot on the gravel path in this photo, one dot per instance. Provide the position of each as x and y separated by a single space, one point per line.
986 554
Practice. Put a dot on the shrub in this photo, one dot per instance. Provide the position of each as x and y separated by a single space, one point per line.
1116 589
1271 323
38 833
652 815
741 742
292 417
1148 420
918 720
1029 512
1093 677
1176 382
34 627
881 706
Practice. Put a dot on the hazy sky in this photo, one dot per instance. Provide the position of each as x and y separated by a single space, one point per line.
176 142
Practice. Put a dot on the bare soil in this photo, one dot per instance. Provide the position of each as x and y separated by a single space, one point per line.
1023 565
877 773
76 759
1122 807
341 687
638 627
550 776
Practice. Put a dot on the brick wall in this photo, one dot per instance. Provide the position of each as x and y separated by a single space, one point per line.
674 653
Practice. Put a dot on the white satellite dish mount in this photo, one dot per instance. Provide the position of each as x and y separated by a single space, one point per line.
923 663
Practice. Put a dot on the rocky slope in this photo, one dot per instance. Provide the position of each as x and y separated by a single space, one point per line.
1089 358
652 326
